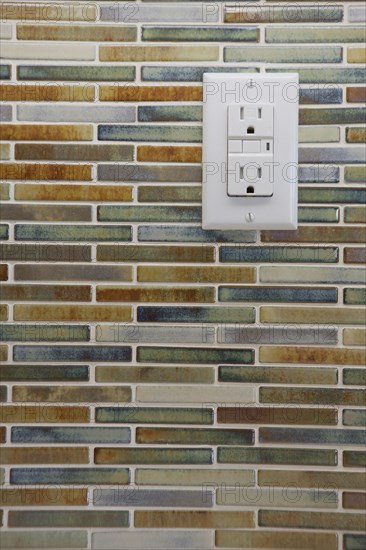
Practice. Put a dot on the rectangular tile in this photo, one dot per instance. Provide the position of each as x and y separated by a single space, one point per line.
341 155
195 314
114 92
273 497
75 33
203 34
158 354
73 113
4 191
354 459
314 34
149 133
45 455
277 254
155 294
206 478
72 353
196 519
356 94
356 135
4 151
156 53
339 315
163 253
276 415
56 213
326 75
87 233
277 294
343 356
357 14
60 518
354 542
354 501
3 272
314 436
45 539
274 539
51 132
5 31
157 153
354 336
84 52
38 252
356 55
132 333
88 73
188 274
52 12
310 520
242 334
159 13
123 172
43 332
186 233
5 72
69 476
154 415
45 496
73 152
172 113
355 174
153 497
49 172
354 255
67 272
354 417
67 313
145 540
318 134
274 54
308 275
6 112
283 14
195 394
74 192
310 396
42 373
162 375
47 92
194 436
355 214
278 375
21 434
71 394
187 73
275 455
53 414
350 195
312 478
181 194
314 234
151 455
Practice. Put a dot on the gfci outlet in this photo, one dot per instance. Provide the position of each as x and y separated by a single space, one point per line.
250 151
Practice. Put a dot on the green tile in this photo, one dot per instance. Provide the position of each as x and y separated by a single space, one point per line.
354 542
337 115
277 375
142 132
149 172
76 73
69 476
69 435
354 377
3 394
193 355
149 213
154 415
188 74
277 455
324 396
171 113
356 214
274 54
63 518
354 459
204 477
278 254
312 436
200 33
72 353
4 232
177 193
44 333
355 174
150 455
354 296
277 294
44 539
319 134
325 75
43 373
315 34
332 195
186 233
5 72
70 232
354 417
192 436
47 253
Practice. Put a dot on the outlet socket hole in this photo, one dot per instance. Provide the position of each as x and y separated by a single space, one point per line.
250 130
267 146
250 189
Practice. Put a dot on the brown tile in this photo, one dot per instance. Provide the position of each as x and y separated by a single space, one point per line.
159 53
356 135
354 459
354 255
188 274
49 92
275 539
45 455
276 415
113 33
161 519
34 151
155 294
47 213
320 234
43 414
169 193
3 352
317 479
356 94
43 496
3 272
159 153
335 315
57 293
46 132
3 312
44 192
76 272
26 252
356 55
48 172
137 93
321 356
355 501
355 214
354 337
157 253
72 313
72 394
310 396
47 12
2 434
310 520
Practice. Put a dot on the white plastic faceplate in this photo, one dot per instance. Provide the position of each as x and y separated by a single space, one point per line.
230 154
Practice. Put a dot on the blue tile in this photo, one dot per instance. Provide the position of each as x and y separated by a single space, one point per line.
122 132
170 113
277 294
72 353
41 434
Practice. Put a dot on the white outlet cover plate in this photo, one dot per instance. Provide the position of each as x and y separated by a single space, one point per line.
219 210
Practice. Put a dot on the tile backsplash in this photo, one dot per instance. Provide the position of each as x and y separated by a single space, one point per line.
163 386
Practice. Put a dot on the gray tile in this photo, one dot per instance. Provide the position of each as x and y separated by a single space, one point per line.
287 334
79 113
44 539
45 252
5 113
70 232
357 14
326 75
188 74
153 540
35 50
137 172
91 73
195 394
205 33
155 13
329 155
69 476
38 332
72 353
170 113
315 34
149 213
63 518
153 497
274 54
150 133
270 496
288 254
186 233
277 294
314 436
327 275
46 212
152 334
318 174
5 72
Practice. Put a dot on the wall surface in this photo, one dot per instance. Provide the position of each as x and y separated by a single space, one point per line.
166 387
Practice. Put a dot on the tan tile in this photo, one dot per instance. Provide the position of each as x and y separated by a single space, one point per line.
159 53
72 313
311 520
317 234
48 172
72 394
45 455
321 356
354 337
48 12
158 153
335 315
191 520
356 135
355 214
209 274
157 253
4 151
42 414
3 312
274 539
47 132
277 415
356 55
356 94
51 92
3 352
44 496
194 477
354 501
354 255
137 93
150 294
44 192
317 479
87 33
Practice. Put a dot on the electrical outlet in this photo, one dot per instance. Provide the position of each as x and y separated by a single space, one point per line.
250 145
